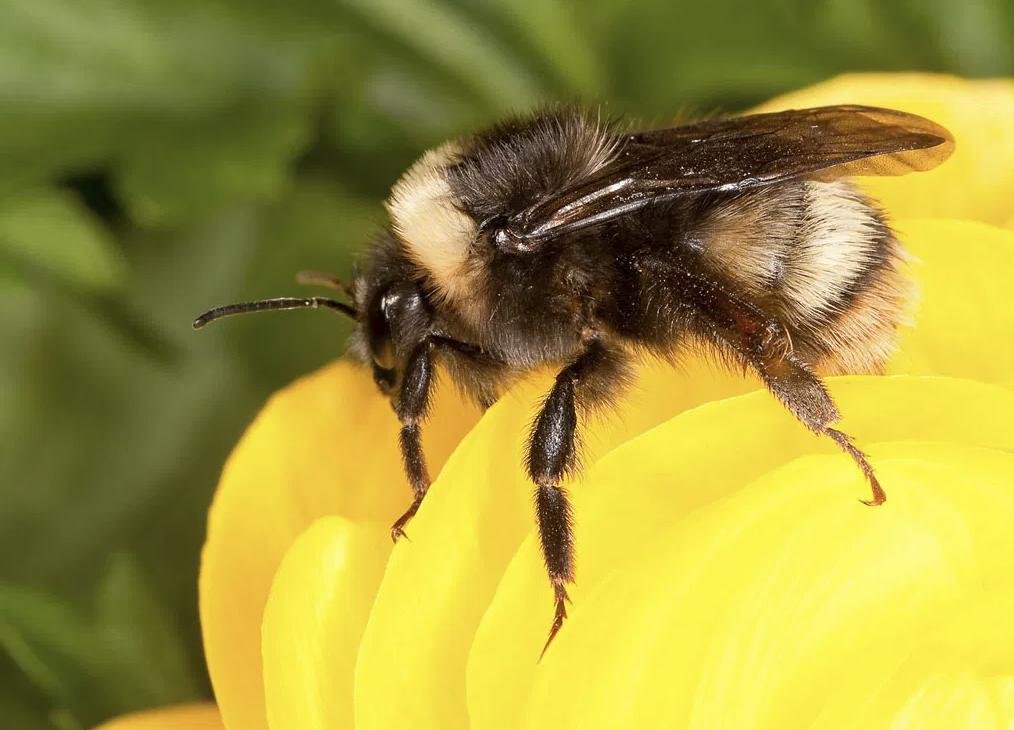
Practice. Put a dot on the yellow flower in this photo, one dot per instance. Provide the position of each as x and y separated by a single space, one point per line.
727 574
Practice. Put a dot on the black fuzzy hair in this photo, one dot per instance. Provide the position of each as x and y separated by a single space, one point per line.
527 158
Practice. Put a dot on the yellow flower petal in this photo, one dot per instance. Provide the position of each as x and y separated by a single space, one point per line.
182 717
314 618
327 445
751 612
650 483
977 182
964 270
967 659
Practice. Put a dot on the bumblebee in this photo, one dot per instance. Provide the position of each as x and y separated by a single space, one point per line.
558 239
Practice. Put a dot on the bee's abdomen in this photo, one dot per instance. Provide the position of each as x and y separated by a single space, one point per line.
819 257
845 292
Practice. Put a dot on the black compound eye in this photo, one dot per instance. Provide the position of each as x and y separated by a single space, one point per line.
389 303
378 333
396 320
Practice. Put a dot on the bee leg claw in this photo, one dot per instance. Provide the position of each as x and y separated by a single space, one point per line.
879 496
560 615
398 533
845 442
398 528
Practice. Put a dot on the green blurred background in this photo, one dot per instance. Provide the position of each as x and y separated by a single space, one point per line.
161 156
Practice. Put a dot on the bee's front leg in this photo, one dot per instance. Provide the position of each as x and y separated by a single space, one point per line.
594 375
411 406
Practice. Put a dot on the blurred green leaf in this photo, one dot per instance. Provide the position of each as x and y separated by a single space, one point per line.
676 57
49 643
50 230
127 656
140 647
972 37
212 162
21 706
442 35
86 82
549 36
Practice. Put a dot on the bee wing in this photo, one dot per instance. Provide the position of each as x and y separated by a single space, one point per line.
739 153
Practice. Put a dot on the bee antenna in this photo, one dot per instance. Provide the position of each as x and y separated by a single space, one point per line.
265 305
318 278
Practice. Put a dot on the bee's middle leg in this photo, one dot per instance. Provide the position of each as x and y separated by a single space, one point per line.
552 453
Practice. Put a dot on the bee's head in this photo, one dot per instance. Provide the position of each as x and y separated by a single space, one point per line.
390 309
394 318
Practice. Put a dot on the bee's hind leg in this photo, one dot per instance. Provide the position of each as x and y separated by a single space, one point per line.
765 345
804 394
